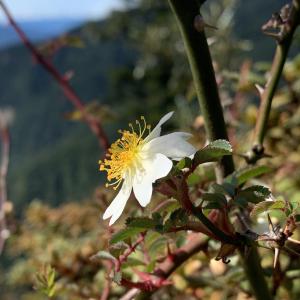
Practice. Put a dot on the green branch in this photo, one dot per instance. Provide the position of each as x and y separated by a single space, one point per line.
284 41
187 14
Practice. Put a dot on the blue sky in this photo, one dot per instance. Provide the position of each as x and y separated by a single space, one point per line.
46 9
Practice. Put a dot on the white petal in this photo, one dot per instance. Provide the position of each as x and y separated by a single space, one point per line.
155 167
143 191
117 206
157 129
173 145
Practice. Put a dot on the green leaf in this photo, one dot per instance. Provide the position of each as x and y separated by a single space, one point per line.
248 173
255 193
213 152
295 206
241 201
150 267
215 197
132 262
156 246
51 276
45 281
193 179
259 190
278 204
224 188
184 163
103 255
213 205
266 206
51 291
117 277
144 223
125 234
180 240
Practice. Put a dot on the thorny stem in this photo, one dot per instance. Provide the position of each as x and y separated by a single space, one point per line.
283 45
5 139
195 244
123 257
71 95
210 105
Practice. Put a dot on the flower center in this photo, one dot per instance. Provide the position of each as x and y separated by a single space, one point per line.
123 154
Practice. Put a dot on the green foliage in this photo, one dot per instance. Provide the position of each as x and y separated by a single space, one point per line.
45 281
145 223
245 174
254 194
103 255
213 152
215 200
265 206
125 234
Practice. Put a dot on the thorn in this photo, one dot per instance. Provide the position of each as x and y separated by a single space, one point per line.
272 34
260 89
169 252
293 241
271 226
276 255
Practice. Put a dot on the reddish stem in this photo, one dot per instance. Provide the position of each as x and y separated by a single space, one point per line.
123 257
160 276
69 92
107 287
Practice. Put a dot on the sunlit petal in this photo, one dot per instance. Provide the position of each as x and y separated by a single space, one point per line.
173 145
117 206
154 167
142 191
157 129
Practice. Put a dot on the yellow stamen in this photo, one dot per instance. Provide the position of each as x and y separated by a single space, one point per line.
124 153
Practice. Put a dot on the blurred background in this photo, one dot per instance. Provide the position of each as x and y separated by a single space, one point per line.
125 58
108 59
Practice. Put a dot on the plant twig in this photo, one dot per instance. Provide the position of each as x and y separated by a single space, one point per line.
123 257
284 41
71 95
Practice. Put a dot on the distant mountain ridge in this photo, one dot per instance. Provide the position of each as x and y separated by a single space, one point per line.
37 31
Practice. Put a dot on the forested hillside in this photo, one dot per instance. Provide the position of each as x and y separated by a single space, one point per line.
55 159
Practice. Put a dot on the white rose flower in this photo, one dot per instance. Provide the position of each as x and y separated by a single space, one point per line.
137 162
